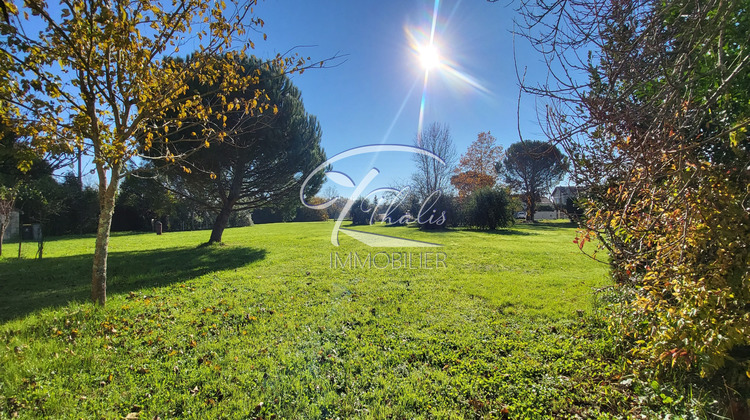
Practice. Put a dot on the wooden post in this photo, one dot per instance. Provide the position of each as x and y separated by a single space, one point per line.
20 239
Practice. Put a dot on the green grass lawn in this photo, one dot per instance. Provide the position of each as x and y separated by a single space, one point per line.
264 327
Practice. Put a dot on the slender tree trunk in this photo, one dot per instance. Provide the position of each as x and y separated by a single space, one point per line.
2 235
221 223
106 210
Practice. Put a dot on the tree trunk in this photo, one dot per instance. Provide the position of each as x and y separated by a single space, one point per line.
221 223
530 207
228 204
99 274
2 235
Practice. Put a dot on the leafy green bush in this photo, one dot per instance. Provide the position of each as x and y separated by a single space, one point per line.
666 168
442 214
361 212
306 214
489 208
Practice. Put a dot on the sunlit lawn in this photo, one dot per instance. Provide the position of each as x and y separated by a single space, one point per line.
264 327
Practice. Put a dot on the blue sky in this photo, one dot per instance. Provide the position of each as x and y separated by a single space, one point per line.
374 95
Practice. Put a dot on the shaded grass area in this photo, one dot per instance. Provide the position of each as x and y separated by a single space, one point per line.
264 327
28 285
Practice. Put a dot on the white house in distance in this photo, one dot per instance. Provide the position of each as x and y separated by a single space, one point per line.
11 233
545 210
560 195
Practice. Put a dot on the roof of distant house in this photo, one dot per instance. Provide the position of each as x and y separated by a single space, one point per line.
565 190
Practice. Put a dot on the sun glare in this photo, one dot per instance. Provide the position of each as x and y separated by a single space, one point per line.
429 57
422 43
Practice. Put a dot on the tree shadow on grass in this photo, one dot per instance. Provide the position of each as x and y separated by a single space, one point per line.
503 232
68 236
551 225
29 285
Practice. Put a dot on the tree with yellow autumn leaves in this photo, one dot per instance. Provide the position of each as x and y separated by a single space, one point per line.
100 78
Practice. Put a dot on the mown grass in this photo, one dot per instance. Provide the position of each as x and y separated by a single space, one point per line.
263 327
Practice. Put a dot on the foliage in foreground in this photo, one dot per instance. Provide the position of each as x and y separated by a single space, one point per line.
659 137
675 222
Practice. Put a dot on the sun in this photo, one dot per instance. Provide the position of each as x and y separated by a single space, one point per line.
429 56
